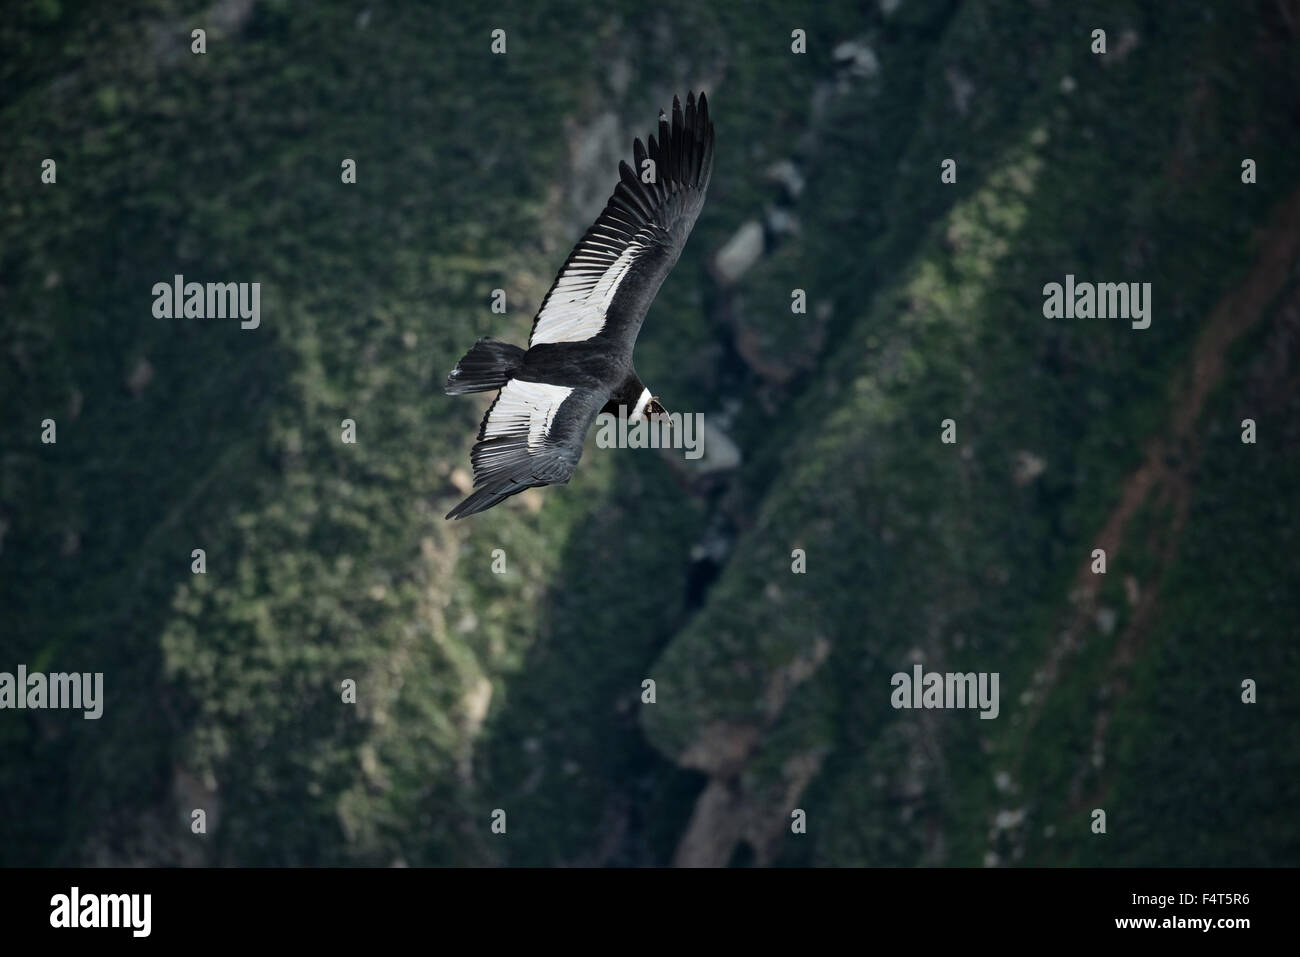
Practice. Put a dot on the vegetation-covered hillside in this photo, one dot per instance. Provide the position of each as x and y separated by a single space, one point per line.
329 561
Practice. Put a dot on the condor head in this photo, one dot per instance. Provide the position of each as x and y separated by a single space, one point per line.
647 406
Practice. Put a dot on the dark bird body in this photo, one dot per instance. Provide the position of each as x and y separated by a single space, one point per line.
579 359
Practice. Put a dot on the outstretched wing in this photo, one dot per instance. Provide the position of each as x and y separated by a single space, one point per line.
612 275
532 435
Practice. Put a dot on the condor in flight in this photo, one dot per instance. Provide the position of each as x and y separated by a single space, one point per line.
579 357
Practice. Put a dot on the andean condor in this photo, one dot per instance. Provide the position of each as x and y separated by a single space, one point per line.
579 357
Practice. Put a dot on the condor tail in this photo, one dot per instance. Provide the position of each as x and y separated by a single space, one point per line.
487 366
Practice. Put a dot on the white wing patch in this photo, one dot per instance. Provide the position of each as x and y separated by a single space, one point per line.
578 303
525 409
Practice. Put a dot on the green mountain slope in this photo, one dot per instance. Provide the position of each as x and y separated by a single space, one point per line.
522 691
